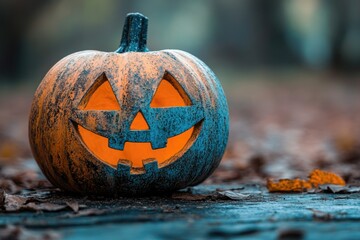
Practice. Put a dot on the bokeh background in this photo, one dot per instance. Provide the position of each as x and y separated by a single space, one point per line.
290 69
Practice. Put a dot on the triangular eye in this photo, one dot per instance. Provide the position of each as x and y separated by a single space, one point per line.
169 94
100 96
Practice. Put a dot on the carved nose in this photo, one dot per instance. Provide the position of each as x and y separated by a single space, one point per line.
139 122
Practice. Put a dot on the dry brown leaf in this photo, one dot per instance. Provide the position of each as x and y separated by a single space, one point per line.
26 178
86 212
317 177
49 207
13 202
288 185
2 199
330 188
233 195
74 205
189 196
9 186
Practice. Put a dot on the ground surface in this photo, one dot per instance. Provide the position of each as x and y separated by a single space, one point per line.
202 214
278 129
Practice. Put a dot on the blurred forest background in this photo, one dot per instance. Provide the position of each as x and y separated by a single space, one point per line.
290 69
229 34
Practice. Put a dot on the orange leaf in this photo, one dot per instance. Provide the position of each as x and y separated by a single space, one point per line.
288 185
318 177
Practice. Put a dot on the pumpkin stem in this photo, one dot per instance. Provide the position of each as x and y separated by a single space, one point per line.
134 34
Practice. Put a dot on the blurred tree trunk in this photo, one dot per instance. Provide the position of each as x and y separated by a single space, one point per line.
15 19
249 33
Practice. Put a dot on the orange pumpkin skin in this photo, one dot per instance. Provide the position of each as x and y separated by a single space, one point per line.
58 114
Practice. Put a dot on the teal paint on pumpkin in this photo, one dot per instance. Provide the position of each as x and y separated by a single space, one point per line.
133 74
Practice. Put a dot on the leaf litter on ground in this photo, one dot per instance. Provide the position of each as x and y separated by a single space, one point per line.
317 180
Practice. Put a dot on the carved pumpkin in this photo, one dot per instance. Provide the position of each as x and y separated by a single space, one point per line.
129 122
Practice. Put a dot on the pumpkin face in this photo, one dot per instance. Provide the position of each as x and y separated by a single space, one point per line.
160 125
131 122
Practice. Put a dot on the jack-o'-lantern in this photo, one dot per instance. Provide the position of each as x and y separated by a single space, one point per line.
129 122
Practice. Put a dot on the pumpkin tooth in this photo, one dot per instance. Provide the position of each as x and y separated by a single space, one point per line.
151 165
117 143
123 168
159 143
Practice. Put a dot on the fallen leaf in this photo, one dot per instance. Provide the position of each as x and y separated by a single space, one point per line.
13 203
49 207
189 196
288 185
74 205
86 212
9 186
352 190
27 178
318 177
230 189
329 188
234 195
2 199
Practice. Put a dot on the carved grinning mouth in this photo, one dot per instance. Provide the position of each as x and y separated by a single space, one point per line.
161 132
176 146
